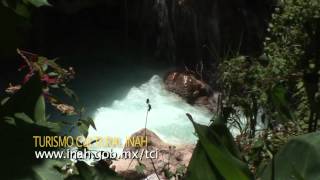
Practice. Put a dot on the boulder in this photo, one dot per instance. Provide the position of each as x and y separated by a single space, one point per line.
170 157
186 85
208 102
192 89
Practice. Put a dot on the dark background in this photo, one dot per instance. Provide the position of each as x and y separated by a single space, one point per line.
115 44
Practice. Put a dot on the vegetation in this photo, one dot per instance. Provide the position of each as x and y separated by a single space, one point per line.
272 99
23 115
278 92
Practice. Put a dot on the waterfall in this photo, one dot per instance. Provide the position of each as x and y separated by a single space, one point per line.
167 117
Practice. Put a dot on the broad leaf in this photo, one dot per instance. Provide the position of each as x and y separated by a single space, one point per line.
83 127
25 100
226 164
92 123
40 110
298 159
279 100
225 137
39 3
200 167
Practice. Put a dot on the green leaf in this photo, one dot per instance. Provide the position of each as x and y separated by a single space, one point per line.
71 93
25 100
299 158
91 122
3 101
99 172
9 120
10 36
53 74
200 167
47 171
24 117
226 138
38 3
181 169
44 67
52 126
40 110
54 86
140 168
227 165
83 127
297 174
258 144
168 174
22 10
279 100
88 122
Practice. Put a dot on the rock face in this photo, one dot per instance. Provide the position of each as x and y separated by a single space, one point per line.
207 102
186 85
192 89
169 158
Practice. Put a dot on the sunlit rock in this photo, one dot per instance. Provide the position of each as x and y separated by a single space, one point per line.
192 89
169 157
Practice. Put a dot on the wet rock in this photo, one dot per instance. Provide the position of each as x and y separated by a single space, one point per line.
192 89
186 85
209 102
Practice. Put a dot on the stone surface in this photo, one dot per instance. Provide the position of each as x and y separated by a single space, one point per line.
192 89
186 85
169 157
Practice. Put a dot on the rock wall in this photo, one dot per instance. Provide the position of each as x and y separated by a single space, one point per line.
197 34
193 34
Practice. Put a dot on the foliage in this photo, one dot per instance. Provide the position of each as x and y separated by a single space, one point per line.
53 78
99 172
290 57
298 159
17 15
16 5
213 157
293 50
38 3
277 92
23 115
140 168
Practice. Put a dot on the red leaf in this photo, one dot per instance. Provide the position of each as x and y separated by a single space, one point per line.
49 80
27 77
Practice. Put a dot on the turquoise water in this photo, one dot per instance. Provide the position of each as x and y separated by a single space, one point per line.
167 117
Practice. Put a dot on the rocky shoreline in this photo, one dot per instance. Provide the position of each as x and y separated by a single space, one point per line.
171 159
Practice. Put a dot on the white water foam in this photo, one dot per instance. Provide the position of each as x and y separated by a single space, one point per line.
167 117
